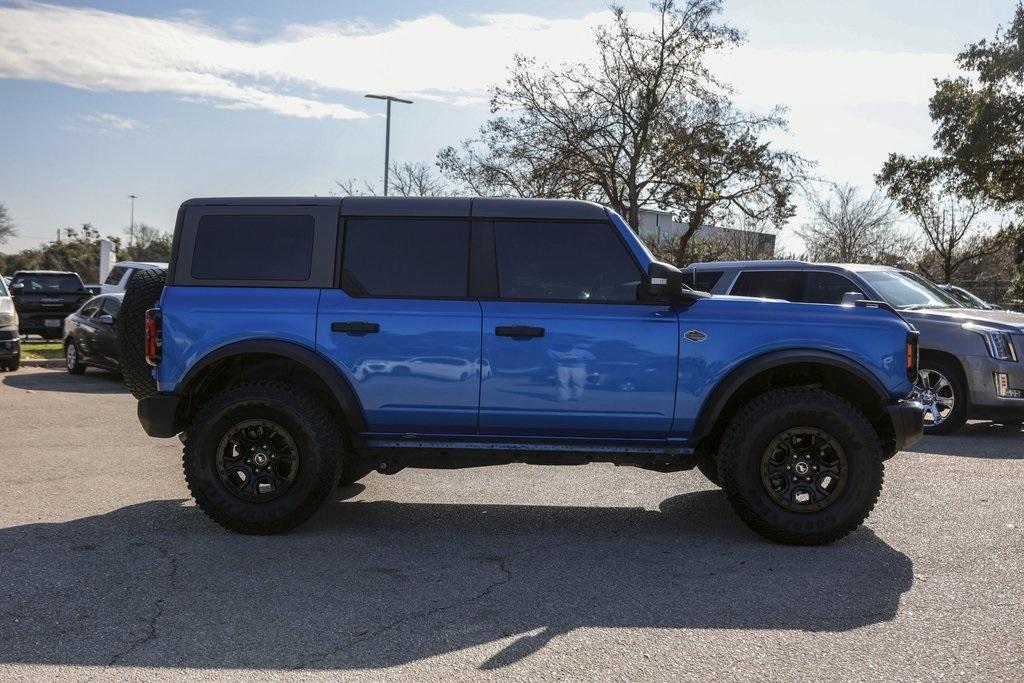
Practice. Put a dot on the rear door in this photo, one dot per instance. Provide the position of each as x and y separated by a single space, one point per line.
105 333
569 349
402 326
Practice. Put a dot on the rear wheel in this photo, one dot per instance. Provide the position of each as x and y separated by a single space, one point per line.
261 457
944 395
73 358
801 466
12 364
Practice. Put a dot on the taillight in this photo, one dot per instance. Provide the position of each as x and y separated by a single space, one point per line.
154 336
913 339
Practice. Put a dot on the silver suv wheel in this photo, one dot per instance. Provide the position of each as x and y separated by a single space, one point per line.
935 391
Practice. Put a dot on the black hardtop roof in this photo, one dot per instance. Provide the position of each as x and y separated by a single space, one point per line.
474 207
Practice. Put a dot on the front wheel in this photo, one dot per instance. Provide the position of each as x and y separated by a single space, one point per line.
944 395
261 457
801 466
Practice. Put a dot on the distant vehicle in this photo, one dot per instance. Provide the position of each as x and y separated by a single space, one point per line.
90 335
10 340
122 272
969 299
43 298
970 358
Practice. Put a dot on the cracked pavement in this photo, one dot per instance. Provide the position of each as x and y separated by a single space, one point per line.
107 570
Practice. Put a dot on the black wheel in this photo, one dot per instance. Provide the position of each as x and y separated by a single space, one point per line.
708 466
353 471
261 457
12 364
73 358
944 394
801 466
142 293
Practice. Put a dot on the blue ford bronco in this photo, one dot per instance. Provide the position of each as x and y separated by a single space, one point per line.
295 344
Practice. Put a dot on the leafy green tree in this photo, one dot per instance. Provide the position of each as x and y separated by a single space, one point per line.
148 244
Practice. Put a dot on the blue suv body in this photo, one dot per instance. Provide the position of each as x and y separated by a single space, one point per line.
297 342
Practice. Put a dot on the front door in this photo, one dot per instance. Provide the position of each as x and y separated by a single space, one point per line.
402 327
568 350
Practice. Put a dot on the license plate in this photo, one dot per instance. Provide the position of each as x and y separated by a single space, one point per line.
53 323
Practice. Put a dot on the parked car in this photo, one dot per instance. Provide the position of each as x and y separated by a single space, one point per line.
90 335
121 274
264 350
968 299
970 363
10 340
44 298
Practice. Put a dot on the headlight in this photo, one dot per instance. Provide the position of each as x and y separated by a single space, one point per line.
998 342
8 319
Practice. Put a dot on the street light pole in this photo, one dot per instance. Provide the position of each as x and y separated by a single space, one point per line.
131 224
387 133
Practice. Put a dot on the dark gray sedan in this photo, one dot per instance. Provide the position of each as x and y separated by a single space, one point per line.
90 335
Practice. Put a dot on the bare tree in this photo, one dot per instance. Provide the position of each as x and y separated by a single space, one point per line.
596 131
954 233
406 180
7 229
847 228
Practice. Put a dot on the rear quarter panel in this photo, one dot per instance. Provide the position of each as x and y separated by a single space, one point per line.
739 330
198 320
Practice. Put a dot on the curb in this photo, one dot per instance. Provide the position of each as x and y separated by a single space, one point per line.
48 363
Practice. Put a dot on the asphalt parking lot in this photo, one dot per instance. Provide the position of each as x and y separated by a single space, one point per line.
108 571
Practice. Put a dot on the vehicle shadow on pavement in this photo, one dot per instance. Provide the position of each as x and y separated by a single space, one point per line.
379 584
92 382
977 440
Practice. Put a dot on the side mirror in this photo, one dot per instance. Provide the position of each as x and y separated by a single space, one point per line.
106 319
851 298
665 282
18 286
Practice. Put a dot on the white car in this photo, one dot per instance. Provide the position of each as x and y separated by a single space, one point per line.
122 272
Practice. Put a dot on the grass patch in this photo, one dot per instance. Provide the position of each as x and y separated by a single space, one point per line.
48 350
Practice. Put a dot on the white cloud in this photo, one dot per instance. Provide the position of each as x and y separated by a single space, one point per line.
295 72
113 121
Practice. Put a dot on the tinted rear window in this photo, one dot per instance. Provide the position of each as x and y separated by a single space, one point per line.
116 273
771 284
828 288
396 257
47 283
267 247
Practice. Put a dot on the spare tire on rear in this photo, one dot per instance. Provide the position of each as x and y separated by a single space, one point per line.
141 294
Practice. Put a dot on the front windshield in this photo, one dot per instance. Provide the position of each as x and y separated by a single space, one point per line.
908 291
47 283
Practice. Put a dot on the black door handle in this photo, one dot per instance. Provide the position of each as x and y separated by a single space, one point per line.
518 331
356 327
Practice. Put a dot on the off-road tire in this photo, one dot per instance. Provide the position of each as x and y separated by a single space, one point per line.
142 293
310 425
78 367
958 416
754 427
12 364
708 466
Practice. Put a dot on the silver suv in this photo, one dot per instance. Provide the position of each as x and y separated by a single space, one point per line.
970 358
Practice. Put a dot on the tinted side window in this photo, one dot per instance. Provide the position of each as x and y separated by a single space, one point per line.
564 261
115 275
253 248
401 257
827 288
111 306
771 284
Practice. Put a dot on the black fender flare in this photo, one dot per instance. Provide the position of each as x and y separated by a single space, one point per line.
339 386
724 390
